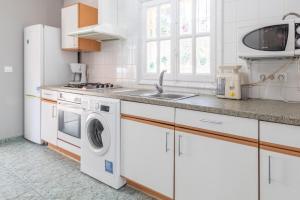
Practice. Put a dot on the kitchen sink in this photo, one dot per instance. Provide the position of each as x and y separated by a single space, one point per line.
166 96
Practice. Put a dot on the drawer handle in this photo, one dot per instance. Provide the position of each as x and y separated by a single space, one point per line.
167 148
211 122
269 174
179 146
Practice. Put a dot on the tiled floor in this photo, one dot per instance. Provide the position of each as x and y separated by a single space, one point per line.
29 171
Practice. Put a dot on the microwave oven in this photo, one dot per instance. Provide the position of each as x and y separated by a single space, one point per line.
272 40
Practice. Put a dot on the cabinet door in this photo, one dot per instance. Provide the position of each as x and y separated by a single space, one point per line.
279 176
148 155
214 169
69 23
49 122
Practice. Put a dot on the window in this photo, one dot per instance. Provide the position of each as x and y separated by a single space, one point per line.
178 37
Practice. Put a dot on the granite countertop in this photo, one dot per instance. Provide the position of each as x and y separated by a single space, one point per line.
264 110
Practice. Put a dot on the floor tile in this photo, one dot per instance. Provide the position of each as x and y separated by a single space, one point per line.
30 171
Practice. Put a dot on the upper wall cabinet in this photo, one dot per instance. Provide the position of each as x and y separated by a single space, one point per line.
74 17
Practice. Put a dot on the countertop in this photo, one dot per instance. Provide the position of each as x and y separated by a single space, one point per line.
264 110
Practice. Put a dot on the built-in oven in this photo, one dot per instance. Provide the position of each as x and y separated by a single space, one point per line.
69 119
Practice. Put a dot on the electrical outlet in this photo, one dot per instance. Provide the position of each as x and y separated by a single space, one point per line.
8 69
282 77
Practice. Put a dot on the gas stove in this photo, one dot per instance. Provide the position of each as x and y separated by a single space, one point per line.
91 86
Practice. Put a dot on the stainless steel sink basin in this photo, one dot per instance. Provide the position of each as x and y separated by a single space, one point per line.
167 96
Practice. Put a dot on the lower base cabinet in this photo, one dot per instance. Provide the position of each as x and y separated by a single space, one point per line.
49 122
212 169
147 156
279 176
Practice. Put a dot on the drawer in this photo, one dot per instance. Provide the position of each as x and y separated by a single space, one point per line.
149 112
49 95
241 127
280 134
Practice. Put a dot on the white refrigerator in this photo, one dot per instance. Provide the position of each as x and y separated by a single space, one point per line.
44 64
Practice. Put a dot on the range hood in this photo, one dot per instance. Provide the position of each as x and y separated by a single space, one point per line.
108 27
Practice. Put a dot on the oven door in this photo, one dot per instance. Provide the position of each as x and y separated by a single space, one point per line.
270 40
69 123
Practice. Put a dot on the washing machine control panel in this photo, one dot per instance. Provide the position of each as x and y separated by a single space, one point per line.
104 108
99 107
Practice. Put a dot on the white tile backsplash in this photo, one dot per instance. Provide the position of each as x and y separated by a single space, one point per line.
118 60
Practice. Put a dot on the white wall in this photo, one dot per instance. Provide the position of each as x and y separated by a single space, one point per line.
14 16
238 13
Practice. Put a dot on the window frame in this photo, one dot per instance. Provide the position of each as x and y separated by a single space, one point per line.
175 77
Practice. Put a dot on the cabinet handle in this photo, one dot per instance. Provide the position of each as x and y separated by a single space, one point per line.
179 146
269 174
211 122
167 149
53 111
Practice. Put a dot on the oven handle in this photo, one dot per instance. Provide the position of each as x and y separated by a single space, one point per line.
70 107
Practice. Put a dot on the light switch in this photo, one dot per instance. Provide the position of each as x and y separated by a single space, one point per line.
8 69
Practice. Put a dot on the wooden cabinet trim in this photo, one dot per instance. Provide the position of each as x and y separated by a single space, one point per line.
64 152
149 121
146 190
49 101
218 136
292 151
87 16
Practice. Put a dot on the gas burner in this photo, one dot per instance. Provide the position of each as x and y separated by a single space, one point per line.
89 86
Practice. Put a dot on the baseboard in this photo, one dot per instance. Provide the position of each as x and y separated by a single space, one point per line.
64 152
146 190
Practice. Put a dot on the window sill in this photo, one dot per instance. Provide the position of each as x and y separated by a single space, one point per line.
182 84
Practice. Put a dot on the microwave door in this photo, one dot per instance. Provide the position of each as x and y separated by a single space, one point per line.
271 38
268 41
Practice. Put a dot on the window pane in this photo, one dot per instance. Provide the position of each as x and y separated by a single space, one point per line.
203 55
186 56
165 55
185 18
203 16
165 20
151 57
151 22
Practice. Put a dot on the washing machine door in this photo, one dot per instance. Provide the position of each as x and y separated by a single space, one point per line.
97 134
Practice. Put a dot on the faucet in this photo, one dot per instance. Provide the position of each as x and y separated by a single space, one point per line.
159 86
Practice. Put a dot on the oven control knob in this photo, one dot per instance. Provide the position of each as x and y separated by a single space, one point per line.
298 30
97 106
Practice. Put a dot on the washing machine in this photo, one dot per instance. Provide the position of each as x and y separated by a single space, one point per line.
100 140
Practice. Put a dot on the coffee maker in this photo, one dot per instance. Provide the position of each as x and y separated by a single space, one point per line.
79 73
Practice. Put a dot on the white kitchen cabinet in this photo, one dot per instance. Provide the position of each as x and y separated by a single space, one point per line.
49 122
279 176
216 157
77 16
147 156
214 169
279 161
